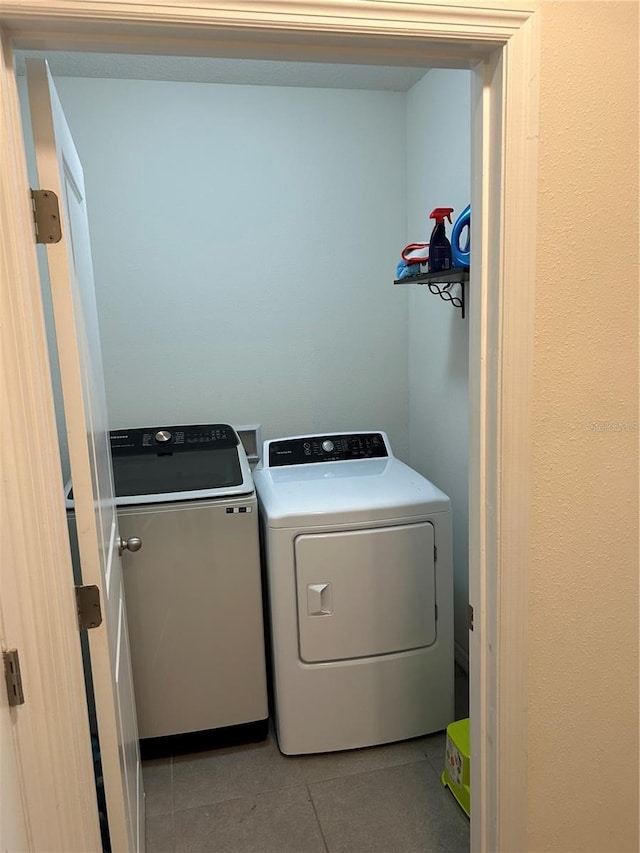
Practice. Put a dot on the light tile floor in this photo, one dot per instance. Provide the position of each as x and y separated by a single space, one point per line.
253 799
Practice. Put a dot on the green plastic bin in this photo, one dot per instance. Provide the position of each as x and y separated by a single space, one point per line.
457 764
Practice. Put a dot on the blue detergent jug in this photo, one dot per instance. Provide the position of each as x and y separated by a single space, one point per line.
461 255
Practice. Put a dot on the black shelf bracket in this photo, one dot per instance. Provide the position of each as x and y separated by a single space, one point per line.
440 283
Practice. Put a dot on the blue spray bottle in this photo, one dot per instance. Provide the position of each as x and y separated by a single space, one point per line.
439 245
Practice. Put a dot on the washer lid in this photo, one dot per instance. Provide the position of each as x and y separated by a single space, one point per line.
362 490
176 463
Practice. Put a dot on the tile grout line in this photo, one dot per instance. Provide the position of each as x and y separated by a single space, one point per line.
351 773
416 759
315 811
235 797
432 766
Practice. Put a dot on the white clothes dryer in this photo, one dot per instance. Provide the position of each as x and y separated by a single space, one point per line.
358 554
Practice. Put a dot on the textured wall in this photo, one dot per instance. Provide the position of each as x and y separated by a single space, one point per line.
583 661
438 165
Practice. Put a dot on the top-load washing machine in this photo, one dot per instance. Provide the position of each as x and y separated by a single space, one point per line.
358 553
194 590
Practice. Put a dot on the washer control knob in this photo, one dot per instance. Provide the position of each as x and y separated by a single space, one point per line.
163 436
327 446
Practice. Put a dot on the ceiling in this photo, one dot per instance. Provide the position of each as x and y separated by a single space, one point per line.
254 72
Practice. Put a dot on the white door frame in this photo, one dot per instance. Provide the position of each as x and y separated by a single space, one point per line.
499 40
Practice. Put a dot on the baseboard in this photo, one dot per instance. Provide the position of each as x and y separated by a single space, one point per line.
162 747
462 657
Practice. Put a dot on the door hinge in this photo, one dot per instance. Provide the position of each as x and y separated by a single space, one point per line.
46 216
12 677
88 604
470 617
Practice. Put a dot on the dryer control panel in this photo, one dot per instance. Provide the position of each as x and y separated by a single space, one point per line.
332 447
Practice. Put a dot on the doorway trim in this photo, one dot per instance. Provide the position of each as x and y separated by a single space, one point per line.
500 42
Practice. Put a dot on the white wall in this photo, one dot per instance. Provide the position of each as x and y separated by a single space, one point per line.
438 171
244 241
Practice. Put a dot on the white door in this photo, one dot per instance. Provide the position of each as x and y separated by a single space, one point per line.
78 345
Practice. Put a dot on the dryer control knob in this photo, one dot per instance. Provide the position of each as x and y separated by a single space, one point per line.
327 446
163 435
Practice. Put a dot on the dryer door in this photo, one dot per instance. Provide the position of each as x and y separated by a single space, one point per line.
363 593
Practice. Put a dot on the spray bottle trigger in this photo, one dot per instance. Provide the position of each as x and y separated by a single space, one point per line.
439 214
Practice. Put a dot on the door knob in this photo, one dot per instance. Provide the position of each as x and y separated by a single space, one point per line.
133 543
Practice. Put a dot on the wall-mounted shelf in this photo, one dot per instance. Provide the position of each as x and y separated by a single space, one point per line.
440 283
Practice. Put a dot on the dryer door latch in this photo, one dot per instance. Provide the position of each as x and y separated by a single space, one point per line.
319 599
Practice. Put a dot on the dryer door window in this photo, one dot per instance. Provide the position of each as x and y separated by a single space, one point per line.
364 593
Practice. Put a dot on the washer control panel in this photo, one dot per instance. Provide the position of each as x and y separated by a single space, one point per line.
169 439
335 447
